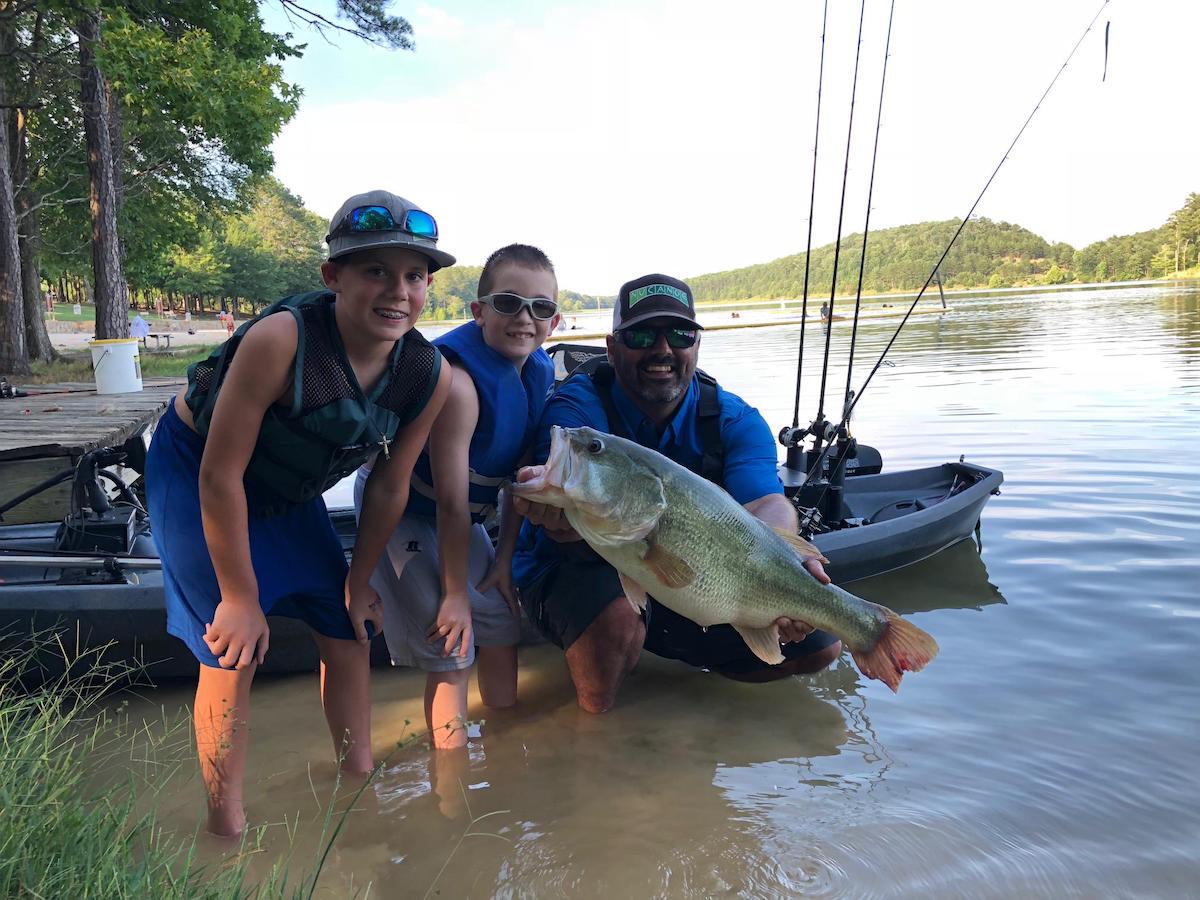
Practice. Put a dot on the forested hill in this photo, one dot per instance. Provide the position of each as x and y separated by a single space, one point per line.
987 254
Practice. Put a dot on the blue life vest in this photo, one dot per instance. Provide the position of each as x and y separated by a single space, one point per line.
510 405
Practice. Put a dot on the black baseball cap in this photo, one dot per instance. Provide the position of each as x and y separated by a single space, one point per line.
654 296
383 219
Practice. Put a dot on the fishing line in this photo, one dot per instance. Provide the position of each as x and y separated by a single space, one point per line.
862 262
837 247
812 200
816 467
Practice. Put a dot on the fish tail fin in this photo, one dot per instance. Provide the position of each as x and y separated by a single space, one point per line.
903 647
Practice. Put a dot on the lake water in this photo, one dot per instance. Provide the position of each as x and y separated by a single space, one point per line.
1050 750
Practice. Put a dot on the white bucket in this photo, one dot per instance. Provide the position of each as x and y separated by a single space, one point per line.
116 365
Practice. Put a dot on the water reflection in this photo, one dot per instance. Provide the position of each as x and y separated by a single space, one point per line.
956 578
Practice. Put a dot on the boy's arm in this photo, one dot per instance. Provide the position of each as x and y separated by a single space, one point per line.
500 574
258 374
384 498
449 460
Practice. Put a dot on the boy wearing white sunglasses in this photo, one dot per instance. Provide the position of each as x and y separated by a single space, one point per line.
448 595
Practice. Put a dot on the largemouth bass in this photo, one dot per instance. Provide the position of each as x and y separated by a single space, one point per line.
682 540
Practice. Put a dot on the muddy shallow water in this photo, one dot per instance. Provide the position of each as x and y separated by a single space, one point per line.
1048 751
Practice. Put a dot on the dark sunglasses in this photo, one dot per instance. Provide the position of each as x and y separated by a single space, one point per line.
509 304
379 218
645 337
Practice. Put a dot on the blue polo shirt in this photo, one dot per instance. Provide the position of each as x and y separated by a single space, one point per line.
750 460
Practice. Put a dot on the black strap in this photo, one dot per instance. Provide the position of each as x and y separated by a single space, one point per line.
708 419
712 464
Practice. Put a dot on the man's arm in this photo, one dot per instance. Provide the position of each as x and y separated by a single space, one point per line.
751 470
777 511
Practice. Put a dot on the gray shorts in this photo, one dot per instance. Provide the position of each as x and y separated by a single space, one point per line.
410 584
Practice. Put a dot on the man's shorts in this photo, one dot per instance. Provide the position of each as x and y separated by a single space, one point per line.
409 583
567 599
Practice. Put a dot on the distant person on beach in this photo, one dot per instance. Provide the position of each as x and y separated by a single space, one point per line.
314 387
230 325
652 393
824 312
447 595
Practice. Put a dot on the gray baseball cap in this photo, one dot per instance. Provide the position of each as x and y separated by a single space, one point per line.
382 219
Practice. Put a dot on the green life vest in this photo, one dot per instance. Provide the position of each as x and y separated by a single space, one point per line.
331 427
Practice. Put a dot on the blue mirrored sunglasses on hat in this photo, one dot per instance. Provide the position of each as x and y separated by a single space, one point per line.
362 219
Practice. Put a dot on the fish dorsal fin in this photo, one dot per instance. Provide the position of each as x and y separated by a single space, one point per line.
763 642
634 593
668 568
799 544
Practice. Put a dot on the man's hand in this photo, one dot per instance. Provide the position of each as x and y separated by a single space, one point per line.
816 570
499 576
794 630
363 605
551 518
453 623
238 635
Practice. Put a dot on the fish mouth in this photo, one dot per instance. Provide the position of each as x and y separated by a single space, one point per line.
547 485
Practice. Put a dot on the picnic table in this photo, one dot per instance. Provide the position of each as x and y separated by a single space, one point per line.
159 337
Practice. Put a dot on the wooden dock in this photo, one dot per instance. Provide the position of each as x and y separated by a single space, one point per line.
47 431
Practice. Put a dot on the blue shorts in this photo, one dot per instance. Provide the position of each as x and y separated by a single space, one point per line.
297 557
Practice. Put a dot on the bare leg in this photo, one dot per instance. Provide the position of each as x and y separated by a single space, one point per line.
346 698
804 665
449 770
604 654
222 719
446 708
497 675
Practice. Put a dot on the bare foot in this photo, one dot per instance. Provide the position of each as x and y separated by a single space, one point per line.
226 819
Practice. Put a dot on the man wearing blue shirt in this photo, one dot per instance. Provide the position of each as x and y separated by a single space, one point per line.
652 393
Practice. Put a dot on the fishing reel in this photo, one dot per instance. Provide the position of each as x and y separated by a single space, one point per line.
98 523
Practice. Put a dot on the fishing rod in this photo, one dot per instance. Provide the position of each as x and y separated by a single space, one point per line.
818 430
815 468
812 200
862 262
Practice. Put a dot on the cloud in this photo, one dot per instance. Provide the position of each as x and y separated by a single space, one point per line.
679 138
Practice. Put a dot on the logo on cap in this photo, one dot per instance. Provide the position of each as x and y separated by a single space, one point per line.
651 290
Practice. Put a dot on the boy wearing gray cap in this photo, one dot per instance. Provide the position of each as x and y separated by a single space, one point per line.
299 397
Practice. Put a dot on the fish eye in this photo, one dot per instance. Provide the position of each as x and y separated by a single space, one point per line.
595 445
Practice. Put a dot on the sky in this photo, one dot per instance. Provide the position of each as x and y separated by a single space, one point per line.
677 136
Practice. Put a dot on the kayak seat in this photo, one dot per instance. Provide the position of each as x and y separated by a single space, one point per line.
893 511
903 507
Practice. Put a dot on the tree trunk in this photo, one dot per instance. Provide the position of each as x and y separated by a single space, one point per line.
29 245
28 222
14 357
112 302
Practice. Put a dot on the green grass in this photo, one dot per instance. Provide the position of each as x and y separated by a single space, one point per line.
65 312
79 785
77 366
62 834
